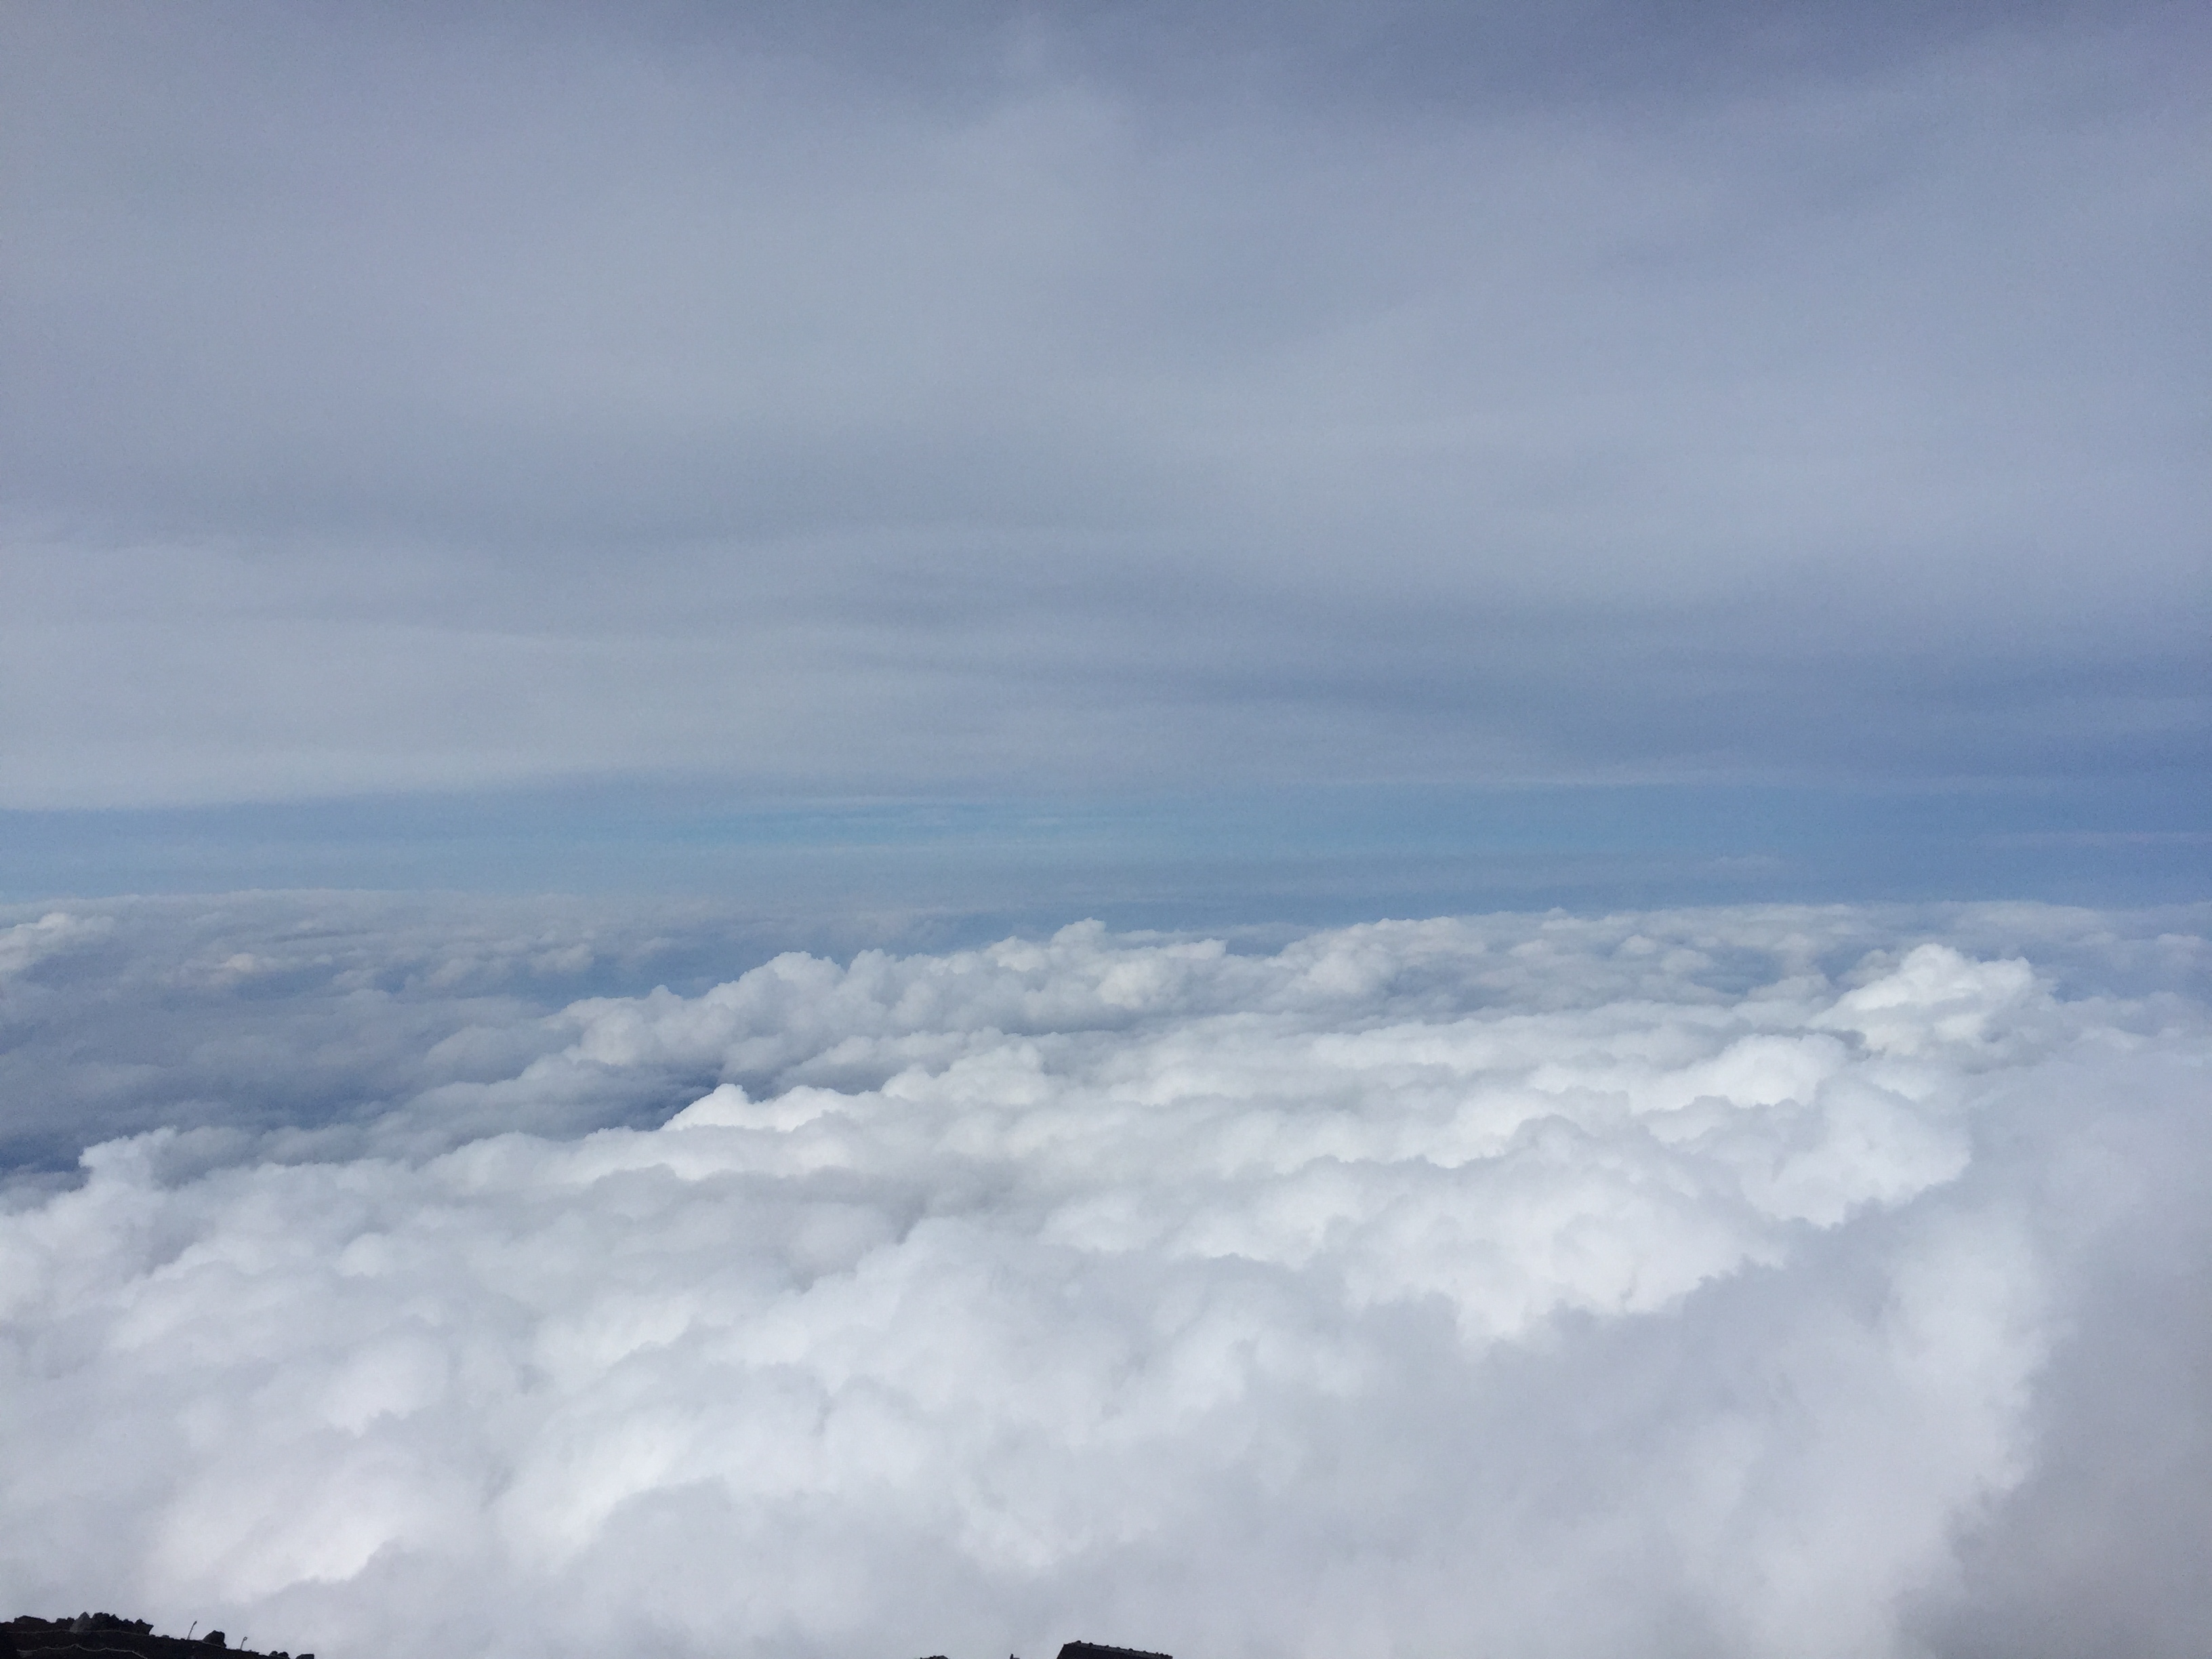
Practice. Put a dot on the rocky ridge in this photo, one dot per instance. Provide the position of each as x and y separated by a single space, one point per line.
91 1633
99 1633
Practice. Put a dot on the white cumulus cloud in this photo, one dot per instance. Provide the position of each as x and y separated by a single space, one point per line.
1717 1282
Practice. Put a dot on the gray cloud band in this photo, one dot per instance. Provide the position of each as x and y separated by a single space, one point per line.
417 402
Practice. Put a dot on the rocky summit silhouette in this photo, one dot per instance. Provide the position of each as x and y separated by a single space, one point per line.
90 1633
96 1633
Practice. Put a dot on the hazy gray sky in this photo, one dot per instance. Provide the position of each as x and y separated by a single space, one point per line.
869 400
916 474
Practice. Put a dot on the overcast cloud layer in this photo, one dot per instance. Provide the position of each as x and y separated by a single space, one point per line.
1819 1281
840 401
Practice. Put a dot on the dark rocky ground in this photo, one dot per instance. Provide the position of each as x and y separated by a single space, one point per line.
104 1633
91 1633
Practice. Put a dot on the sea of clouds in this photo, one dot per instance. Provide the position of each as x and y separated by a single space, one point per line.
1761 1281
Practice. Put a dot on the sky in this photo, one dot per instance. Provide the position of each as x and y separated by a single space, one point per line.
631 426
1272 831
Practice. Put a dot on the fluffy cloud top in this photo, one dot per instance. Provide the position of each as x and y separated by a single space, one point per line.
1727 1282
